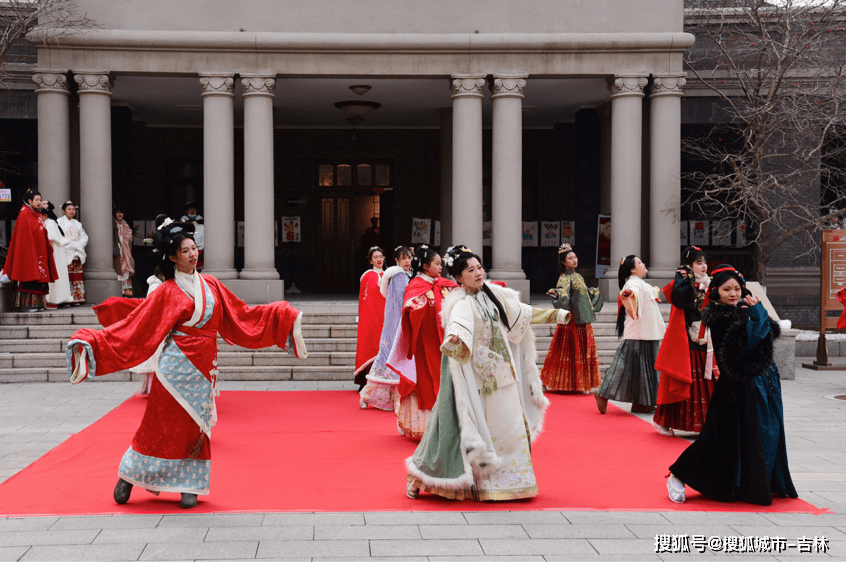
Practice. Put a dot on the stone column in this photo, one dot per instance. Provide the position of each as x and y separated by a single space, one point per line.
259 250
626 132
665 174
446 177
507 189
95 176
218 175
467 95
53 134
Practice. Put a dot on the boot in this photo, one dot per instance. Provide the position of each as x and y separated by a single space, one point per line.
188 501
122 491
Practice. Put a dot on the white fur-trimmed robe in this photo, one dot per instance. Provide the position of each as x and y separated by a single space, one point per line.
475 443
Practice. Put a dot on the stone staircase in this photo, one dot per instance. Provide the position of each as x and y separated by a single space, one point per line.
32 346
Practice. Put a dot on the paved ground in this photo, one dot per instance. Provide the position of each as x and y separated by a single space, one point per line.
35 417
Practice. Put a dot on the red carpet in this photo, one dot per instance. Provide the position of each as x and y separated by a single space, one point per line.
317 451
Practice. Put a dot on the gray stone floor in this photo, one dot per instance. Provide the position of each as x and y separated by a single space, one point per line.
35 417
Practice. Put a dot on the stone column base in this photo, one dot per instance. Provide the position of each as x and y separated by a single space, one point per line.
221 274
257 291
98 290
256 274
520 285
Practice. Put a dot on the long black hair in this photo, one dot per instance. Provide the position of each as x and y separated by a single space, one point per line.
166 241
401 251
456 259
691 255
423 255
627 264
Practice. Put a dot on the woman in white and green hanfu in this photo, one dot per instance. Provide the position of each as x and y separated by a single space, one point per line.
490 407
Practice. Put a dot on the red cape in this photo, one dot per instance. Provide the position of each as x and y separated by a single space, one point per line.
30 256
423 330
673 361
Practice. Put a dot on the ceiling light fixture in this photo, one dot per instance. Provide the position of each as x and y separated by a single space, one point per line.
360 89
357 110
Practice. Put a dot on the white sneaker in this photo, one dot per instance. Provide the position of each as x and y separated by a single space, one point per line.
665 431
675 487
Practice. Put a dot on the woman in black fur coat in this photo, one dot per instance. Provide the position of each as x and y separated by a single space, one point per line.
741 453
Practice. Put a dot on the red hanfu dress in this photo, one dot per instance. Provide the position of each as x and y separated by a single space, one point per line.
416 357
29 260
371 315
171 450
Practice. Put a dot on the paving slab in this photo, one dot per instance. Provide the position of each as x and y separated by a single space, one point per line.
607 531
433 547
514 517
351 532
314 549
200 551
416 518
473 532
106 522
157 535
277 533
90 552
543 547
280 519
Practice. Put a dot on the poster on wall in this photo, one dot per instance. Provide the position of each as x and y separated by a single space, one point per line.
741 234
550 233
530 233
437 241
487 233
150 229
420 231
291 229
603 245
721 233
684 238
239 234
699 233
568 232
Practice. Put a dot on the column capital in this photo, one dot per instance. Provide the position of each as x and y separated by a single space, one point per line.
258 85
468 85
667 85
217 84
508 85
52 80
627 85
93 82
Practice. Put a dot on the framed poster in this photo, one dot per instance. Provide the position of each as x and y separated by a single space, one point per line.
699 233
150 229
550 233
530 233
568 232
603 245
742 240
139 232
291 229
721 233
420 231
487 233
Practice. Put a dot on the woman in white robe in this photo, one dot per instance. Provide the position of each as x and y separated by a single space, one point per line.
490 406
59 289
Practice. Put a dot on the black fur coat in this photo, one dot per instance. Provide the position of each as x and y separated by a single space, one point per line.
727 462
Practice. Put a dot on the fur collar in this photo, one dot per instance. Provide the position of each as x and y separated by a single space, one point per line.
728 331
386 278
378 272
459 293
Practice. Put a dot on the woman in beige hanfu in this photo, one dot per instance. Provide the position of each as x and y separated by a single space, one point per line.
490 407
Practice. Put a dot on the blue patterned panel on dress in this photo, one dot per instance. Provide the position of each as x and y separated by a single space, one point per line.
193 389
165 475
92 363
207 314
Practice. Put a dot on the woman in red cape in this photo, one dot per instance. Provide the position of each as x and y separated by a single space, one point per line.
685 387
416 356
171 451
371 316
29 261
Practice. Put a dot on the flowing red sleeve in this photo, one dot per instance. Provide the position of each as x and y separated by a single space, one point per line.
135 338
114 309
256 326
673 361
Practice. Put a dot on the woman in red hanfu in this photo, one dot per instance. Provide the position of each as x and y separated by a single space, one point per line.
416 356
29 262
371 315
171 451
686 384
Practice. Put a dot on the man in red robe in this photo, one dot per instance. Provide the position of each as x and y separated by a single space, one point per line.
29 261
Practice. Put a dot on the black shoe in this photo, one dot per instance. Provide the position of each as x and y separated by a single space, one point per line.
122 491
188 501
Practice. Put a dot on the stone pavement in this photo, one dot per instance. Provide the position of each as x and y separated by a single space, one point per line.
35 417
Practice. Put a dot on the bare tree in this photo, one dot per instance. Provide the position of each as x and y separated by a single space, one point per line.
775 159
51 19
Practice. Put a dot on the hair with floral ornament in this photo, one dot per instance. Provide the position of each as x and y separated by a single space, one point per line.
691 255
564 250
167 239
723 274
423 255
456 257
